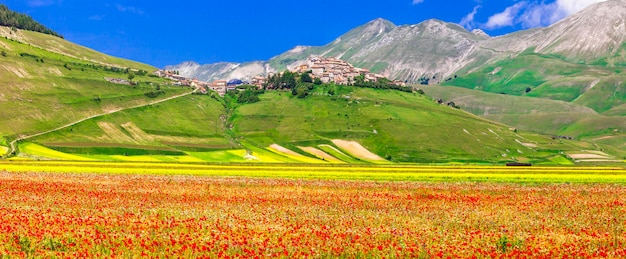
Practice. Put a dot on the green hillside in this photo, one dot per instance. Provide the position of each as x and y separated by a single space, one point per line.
59 83
397 126
531 74
186 124
540 115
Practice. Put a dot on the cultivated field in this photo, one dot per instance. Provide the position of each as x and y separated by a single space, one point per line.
163 210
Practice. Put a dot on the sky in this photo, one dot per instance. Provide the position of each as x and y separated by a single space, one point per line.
163 33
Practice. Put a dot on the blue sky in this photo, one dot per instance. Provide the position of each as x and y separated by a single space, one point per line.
164 33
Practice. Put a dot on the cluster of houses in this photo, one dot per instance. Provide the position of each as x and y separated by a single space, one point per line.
219 86
118 81
338 71
326 69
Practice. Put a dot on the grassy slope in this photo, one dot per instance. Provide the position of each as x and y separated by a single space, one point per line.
537 114
37 96
400 126
576 86
485 103
69 49
595 86
191 123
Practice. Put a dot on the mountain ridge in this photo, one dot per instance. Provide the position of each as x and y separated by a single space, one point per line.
442 49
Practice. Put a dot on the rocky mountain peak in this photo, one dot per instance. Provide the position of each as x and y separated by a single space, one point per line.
480 33
190 63
595 31
380 23
377 27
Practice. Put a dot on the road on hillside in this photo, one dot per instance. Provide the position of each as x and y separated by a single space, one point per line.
12 145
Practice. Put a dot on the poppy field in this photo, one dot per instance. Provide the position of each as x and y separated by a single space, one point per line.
45 214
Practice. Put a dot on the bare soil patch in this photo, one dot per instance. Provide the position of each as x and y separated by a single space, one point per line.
112 132
587 156
137 133
55 71
533 145
601 160
284 150
18 71
355 149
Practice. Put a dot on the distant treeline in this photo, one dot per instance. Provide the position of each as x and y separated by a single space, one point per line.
13 19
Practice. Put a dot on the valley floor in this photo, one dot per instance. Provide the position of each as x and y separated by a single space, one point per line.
63 209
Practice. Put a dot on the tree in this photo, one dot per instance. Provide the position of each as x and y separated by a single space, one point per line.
317 81
306 78
131 76
301 91
288 80
16 21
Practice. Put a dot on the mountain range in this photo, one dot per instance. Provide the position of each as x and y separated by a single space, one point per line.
441 49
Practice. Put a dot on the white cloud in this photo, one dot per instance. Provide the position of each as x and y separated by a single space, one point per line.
537 14
569 7
468 21
130 9
97 17
505 18
40 3
417 1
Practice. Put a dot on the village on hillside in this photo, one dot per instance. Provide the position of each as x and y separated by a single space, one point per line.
328 70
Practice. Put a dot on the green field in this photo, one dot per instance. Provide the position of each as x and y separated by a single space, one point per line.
352 172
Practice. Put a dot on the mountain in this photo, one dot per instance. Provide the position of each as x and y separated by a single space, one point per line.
408 52
580 59
595 34
439 49
210 72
